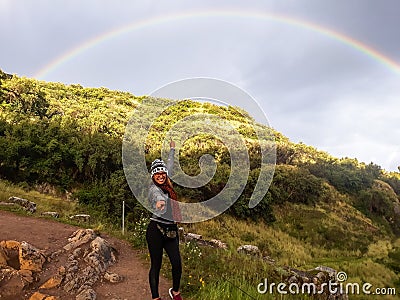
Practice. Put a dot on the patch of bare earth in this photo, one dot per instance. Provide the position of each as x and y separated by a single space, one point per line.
51 236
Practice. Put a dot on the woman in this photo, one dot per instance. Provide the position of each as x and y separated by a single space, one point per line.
162 231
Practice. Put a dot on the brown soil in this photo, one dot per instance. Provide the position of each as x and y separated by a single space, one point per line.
50 235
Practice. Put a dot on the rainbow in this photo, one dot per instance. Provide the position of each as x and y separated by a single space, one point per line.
137 25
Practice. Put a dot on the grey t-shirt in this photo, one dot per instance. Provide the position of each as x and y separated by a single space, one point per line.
157 194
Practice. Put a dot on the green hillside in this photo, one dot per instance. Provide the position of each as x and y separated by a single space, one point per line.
319 210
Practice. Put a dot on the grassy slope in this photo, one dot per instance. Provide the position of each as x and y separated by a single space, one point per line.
330 232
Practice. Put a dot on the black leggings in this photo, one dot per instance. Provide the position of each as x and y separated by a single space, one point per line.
156 242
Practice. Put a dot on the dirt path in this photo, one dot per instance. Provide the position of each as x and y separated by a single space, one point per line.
50 235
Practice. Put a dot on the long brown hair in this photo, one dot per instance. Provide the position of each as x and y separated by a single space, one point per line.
168 187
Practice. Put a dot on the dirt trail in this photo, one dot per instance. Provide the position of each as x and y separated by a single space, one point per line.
50 235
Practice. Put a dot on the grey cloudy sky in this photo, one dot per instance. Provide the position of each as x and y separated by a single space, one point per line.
314 87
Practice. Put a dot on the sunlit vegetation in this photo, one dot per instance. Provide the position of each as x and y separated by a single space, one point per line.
319 209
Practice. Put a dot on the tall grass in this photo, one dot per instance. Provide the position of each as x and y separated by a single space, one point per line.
239 289
363 256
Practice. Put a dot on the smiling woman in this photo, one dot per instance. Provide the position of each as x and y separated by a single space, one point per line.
162 231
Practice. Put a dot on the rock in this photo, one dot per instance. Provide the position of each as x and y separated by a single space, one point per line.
71 268
321 276
101 256
21 257
51 214
30 258
88 294
10 244
80 237
53 282
218 244
80 217
84 235
56 253
249 250
62 270
193 236
112 277
26 275
269 259
26 204
77 252
86 265
40 296
102 247
330 271
25 272
71 284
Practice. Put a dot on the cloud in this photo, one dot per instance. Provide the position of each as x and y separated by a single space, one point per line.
313 88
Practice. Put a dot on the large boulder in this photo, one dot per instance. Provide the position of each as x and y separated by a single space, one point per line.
21 256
